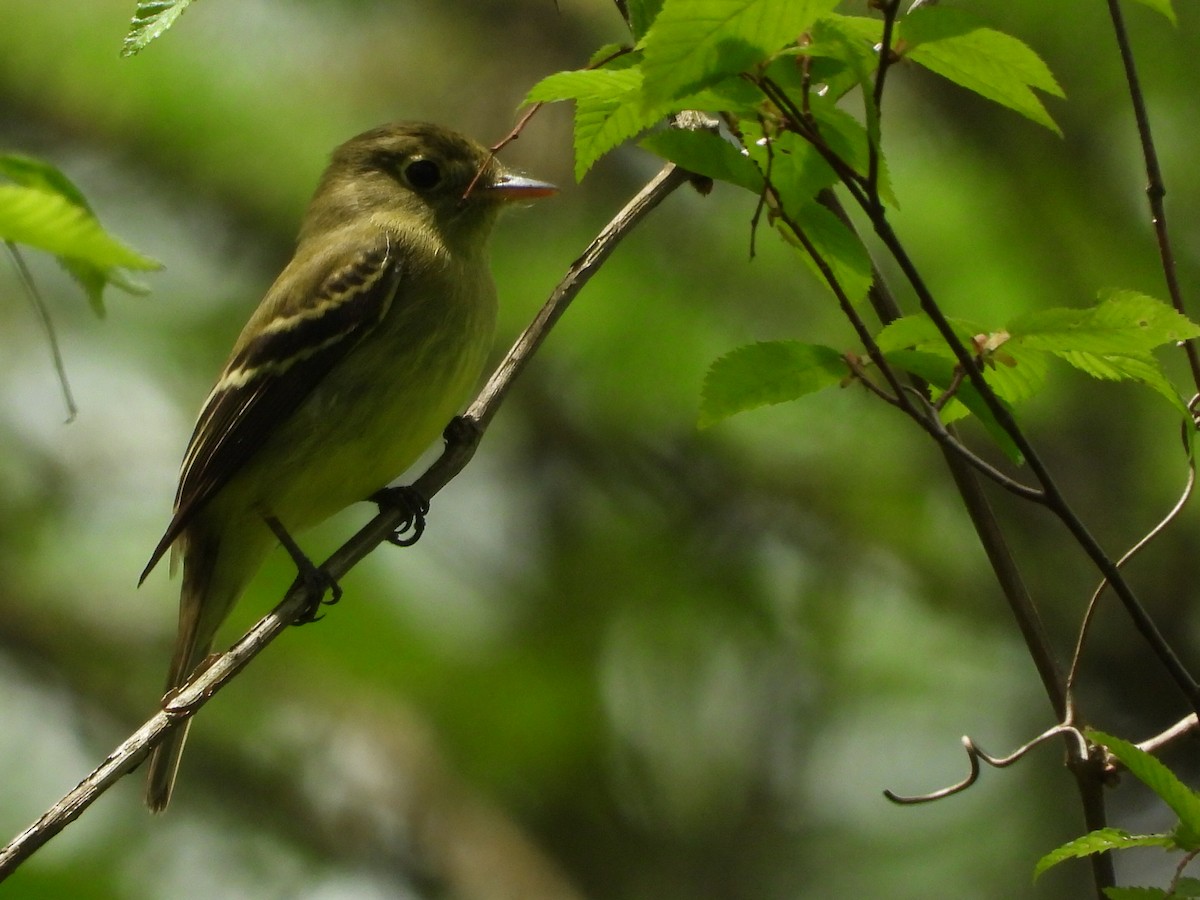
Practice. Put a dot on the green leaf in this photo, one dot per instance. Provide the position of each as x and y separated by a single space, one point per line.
1143 369
796 169
848 138
1187 887
1099 841
938 371
862 31
694 43
607 108
994 65
1161 6
1122 322
150 20
916 331
766 373
1014 372
731 95
1112 340
706 154
853 40
44 209
1182 800
35 173
836 245
642 14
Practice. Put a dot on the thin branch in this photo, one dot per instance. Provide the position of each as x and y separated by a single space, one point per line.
193 695
1156 189
43 314
890 11
1182 728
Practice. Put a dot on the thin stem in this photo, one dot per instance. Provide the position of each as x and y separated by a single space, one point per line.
43 314
1156 190
890 11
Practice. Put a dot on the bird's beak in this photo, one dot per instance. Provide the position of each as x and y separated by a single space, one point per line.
518 188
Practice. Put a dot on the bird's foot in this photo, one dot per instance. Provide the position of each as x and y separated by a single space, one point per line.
409 502
316 581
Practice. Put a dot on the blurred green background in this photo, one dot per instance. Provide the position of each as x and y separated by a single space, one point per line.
628 659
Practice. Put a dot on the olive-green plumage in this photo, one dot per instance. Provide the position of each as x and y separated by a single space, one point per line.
359 354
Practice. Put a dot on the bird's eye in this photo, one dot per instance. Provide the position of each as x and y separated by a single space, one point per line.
422 174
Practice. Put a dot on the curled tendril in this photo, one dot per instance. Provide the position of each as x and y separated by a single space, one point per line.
976 755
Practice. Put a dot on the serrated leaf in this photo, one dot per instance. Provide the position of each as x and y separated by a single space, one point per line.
855 39
731 95
35 173
1014 372
694 43
848 138
793 165
1099 841
1144 369
1182 800
607 108
1122 322
92 277
150 20
50 221
706 154
587 84
767 373
642 14
839 248
915 331
862 30
1161 6
1112 340
994 65
1187 887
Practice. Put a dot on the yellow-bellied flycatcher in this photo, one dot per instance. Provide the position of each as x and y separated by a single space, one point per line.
356 359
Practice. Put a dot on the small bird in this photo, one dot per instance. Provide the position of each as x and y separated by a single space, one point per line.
358 356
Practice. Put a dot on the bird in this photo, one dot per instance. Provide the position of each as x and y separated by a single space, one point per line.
360 353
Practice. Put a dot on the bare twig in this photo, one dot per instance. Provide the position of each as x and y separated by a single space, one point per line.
193 695
890 11
1156 189
1182 728
43 314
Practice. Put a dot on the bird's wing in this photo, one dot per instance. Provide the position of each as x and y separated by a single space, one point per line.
271 373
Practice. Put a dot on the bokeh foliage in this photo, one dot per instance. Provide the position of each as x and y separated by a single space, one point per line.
628 656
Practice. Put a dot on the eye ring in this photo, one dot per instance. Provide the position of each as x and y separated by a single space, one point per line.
422 174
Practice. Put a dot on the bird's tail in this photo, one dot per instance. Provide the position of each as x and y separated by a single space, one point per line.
200 614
